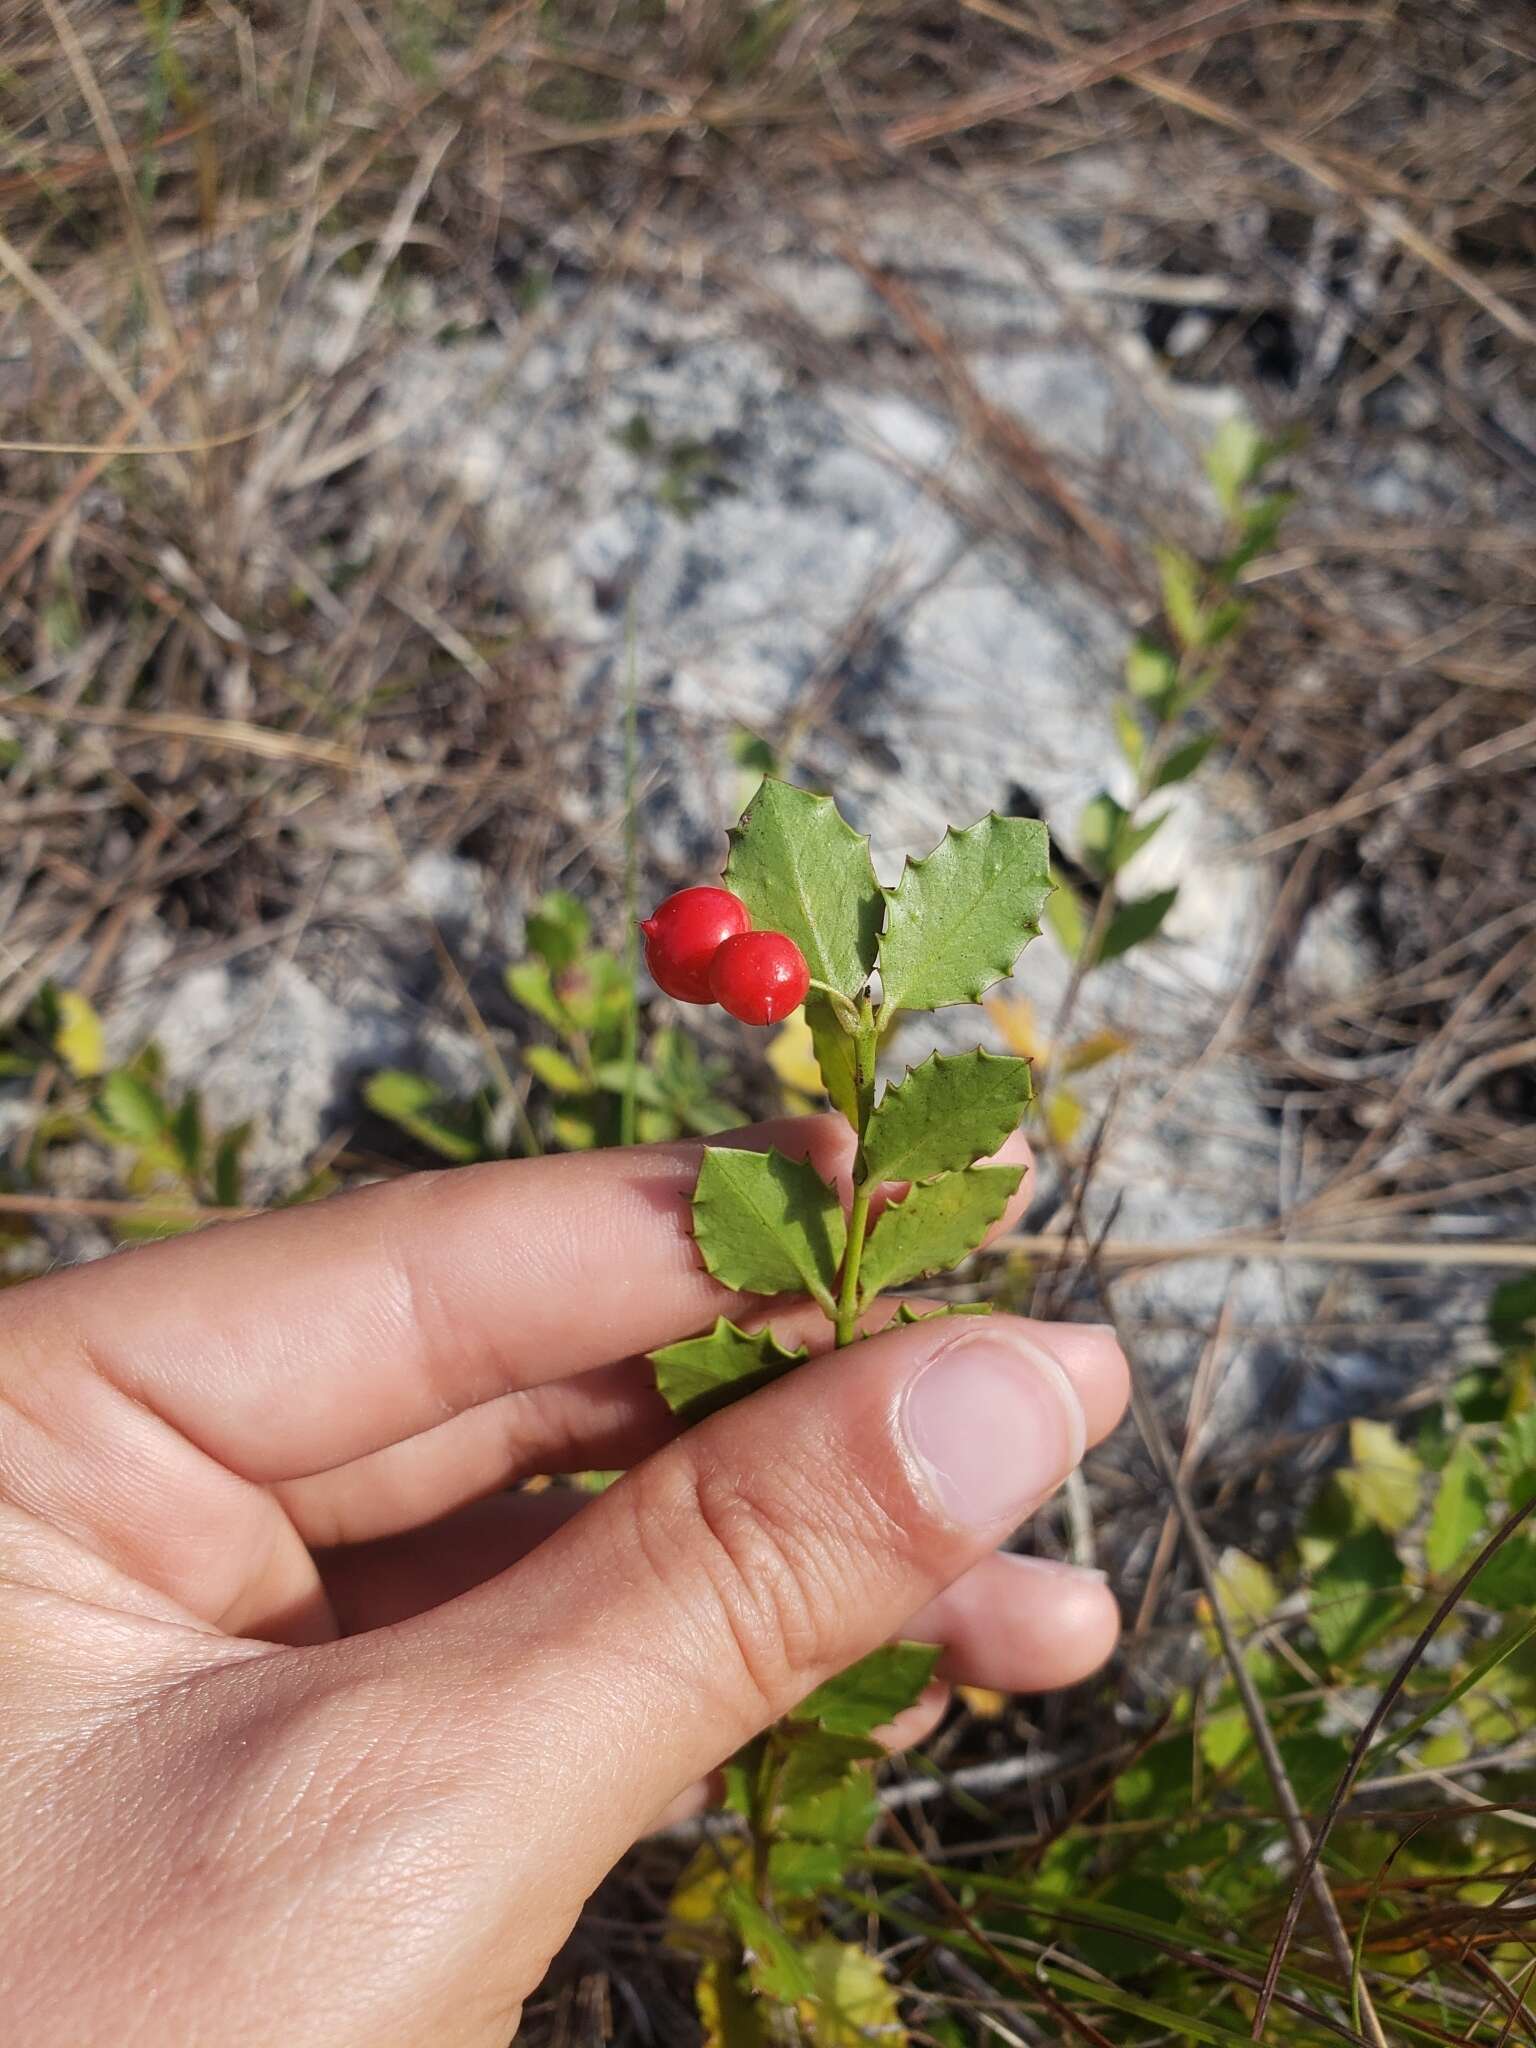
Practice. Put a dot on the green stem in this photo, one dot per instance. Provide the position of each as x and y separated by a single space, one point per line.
866 1046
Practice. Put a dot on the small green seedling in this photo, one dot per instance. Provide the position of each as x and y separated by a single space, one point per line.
809 917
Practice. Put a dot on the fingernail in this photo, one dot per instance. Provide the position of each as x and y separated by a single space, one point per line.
1055 1567
995 1425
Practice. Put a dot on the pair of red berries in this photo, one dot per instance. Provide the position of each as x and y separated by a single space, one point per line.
700 948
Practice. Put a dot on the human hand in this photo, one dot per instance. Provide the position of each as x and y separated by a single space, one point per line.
310 1733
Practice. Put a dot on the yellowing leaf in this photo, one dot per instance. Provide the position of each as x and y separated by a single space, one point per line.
851 2003
1093 1051
78 1040
983 1702
1013 1019
792 1056
1385 1478
694 1911
1248 1589
1063 1116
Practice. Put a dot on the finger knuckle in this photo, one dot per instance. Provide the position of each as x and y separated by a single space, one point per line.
767 1574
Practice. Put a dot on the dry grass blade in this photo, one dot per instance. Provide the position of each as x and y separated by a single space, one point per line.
1314 1879
1311 1865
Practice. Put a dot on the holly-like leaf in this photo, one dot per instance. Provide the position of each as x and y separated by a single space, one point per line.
768 1224
1136 920
935 1226
825 1793
774 1963
801 869
1385 1478
851 2003
834 1056
701 1374
959 918
818 1762
1352 1593
1461 1499
871 1693
946 1113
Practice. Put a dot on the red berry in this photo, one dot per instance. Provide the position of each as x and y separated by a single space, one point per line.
682 937
759 977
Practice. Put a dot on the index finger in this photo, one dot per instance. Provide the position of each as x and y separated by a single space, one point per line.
299 1341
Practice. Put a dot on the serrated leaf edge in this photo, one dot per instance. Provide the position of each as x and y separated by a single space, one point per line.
981 1057
1032 930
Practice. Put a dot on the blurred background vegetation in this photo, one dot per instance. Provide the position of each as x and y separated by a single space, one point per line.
324 806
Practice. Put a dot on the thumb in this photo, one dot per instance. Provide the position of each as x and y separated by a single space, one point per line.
718 1583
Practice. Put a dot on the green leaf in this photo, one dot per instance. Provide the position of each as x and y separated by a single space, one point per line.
558 929
228 1177
1248 1589
1512 1312
1134 921
1508 1580
555 1069
1233 460
1151 672
935 1226
130 1108
1128 731
1517 1459
186 1133
959 918
773 1957
1385 1478
412 1102
529 982
1261 524
906 1314
1352 1593
701 1374
1223 621
768 1224
1179 575
819 1761
1182 762
1109 835
871 1693
825 1792
730 2015
802 870
1460 1503
946 1113
1064 915
1119 1954
834 1056
78 1039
